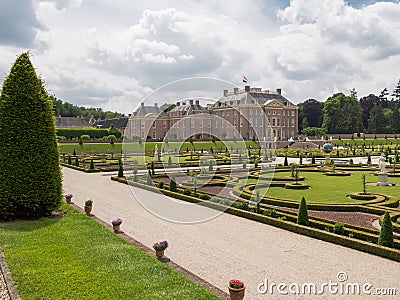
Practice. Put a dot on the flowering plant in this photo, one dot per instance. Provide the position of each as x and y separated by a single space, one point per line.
236 284
117 221
89 202
160 245
69 196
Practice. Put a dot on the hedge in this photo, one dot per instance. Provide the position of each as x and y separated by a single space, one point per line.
95 133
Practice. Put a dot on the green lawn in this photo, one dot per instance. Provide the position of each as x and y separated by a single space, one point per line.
106 147
74 257
330 188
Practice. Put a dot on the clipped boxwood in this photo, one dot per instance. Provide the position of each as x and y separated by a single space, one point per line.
362 196
296 186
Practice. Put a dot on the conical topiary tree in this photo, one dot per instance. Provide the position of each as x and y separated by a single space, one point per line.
120 168
302 215
30 177
285 162
386 234
91 165
172 184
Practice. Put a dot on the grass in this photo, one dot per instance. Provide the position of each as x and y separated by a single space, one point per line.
74 257
331 189
149 146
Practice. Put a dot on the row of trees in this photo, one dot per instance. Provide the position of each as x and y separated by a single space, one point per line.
342 113
66 109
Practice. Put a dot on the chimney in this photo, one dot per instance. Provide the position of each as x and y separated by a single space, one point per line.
178 103
142 104
247 88
197 102
225 93
191 102
279 91
235 90
155 105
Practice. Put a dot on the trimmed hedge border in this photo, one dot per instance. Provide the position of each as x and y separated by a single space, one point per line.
386 252
362 196
79 168
296 186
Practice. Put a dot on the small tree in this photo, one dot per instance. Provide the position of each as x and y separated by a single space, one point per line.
285 163
302 215
368 159
149 181
74 153
152 168
301 159
364 183
91 165
76 161
69 160
386 233
81 141
191 140
312 159
120 168
169 161
172 184
111 138
135 171
210 165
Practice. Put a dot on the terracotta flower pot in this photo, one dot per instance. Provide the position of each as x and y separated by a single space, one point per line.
160 253
236 294
116 227
88 209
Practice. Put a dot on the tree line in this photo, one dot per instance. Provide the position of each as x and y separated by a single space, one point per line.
342 113
66 109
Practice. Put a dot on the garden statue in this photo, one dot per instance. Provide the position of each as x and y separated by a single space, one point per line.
156 155
382 164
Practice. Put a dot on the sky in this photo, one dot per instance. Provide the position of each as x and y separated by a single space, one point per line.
113 53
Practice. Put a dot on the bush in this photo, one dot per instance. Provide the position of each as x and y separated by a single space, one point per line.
270 213
30 177
285 163
386 233
172 184
72 133
91 165
161 185
187 192
120 168
204 196
149 181
302 216
338 228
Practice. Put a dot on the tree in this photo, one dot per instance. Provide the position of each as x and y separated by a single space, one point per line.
396 92
302 215
169 161
120 168
342 114
395 122
172 184
383 97
149 181
353 93
312 110
376 121
386 233
304 123
91 165
30 177
367 103
285 162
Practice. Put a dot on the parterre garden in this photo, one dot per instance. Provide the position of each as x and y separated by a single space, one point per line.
341 205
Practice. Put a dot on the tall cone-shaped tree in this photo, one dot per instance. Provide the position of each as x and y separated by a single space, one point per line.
386 234
302 214
30 177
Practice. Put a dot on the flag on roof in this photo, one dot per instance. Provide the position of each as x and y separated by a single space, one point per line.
244 79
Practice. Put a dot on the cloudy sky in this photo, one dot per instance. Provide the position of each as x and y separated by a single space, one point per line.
112 53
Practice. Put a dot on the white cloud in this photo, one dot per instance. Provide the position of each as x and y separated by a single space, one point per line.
110 53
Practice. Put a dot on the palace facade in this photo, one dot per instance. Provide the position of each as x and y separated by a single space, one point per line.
247 113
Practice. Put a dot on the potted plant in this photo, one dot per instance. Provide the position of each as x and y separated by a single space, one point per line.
236 289
68 198
116 223
160 248
88 206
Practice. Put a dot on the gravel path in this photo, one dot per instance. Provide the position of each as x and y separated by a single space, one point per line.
230 247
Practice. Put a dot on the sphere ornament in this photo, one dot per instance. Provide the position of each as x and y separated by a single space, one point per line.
327 148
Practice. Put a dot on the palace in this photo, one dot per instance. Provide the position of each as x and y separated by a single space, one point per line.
247 113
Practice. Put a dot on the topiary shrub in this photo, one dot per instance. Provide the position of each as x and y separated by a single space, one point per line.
338 228
302 215
149 181
285 162
172 184
386 233
30 177
120 168
204 196
161 185
91 165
